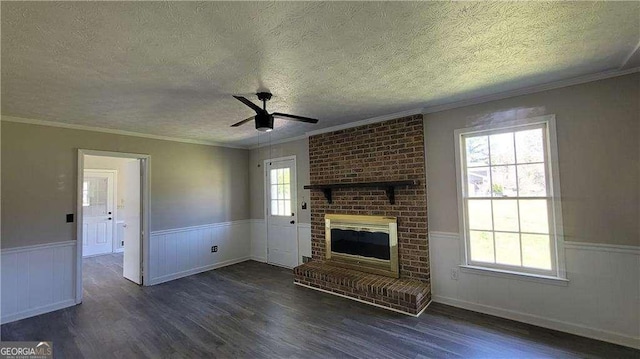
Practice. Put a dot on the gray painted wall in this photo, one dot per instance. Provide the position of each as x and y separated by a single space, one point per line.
598 129
190 184
300 149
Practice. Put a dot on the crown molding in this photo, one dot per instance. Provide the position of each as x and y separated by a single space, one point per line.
368 121
633 59
29 121
532 89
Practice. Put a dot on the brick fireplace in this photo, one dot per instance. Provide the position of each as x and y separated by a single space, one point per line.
385 151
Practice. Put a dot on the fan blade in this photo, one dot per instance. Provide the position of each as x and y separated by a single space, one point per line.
286 116
249 103
243 121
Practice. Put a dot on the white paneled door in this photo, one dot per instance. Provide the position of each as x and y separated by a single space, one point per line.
282 232
98 212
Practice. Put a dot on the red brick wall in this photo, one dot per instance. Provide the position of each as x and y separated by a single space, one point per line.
386 151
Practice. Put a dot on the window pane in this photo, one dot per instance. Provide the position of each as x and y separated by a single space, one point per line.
478 183
502 152
281 192
274 191
274 207
285 177
533 216
477 151
287 208
536 252
481 246
505 215
508 248
480 214
281 208
274 176
529 146
280 176
287 191
504 181
531 180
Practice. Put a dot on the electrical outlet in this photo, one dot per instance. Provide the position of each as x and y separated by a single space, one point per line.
454 273
214 249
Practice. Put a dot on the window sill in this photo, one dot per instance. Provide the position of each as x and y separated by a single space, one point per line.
563 282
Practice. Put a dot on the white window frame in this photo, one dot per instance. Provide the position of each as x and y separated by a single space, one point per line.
558 271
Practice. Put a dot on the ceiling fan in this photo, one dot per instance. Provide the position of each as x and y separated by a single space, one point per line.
263 119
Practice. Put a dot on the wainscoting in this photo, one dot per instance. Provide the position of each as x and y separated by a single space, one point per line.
259 240
180 252
37 279
600 300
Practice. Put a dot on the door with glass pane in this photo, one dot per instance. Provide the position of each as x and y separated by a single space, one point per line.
97 212
282 230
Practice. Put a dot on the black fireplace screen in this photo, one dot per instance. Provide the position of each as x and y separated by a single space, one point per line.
362 243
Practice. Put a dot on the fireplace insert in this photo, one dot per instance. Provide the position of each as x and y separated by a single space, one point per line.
366 243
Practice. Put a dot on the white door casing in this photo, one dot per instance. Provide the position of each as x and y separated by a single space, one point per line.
280 211
144 220
133 245
98 195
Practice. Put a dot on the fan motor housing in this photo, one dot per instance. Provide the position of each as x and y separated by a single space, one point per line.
264 122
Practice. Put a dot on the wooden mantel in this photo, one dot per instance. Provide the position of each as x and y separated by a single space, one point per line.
389 187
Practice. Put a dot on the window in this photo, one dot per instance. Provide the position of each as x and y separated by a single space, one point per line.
509 214
280 192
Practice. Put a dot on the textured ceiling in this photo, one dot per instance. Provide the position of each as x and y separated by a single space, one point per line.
170 68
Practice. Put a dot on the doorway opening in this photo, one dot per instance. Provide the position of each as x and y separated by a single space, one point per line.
112 226
280 211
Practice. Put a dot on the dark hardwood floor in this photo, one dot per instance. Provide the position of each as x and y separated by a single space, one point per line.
253 310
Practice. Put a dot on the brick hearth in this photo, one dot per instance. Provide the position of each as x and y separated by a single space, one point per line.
386 151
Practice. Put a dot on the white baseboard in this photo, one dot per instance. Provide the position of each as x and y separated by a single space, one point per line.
37 311
542 322
189 272
259 259
599 301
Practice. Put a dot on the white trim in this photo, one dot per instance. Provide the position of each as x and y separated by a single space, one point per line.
258 259
203 226
602 247
193 271
286 140
531 90
633 53
113 131
38 311
514 275
391 116
364 301
558 269
584 246
542 322
145 203
37 246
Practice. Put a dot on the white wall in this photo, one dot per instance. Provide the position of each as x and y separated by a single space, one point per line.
598 130
181 252
601 300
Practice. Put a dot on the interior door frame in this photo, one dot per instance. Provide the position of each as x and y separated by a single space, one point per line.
145 186
114 204
294 206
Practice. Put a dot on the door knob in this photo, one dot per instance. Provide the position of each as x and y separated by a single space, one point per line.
292 222
109 218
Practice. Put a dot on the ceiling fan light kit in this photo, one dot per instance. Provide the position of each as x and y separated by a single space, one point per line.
263 119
